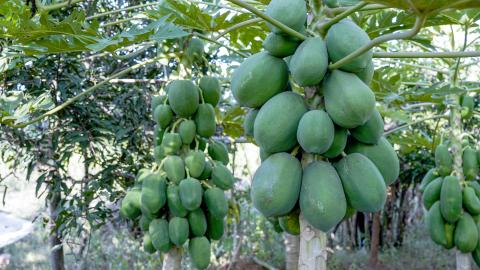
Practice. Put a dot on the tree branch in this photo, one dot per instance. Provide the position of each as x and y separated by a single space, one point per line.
59 5
121 10
323 28
336 11
388 132
221 44
460 54
238 25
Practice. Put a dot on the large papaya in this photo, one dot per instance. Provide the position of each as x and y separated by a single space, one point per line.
371 131
183 97
258 78
427 178
338 144
131 204
158 231
382 155
362 182
147 243
210 87
191 192
348 100
249 121
310 62
276 185
195 163
290 223
171 143
470 163
443 160
154 193
292 13
322 199
218 151
315 132
178 230
216 202
436 225
451 199
345 37
163 115
222 177
279 45
198 222
215 227
187 130
275 130
366 74
432 193
174 203
466 233
205 120
471 201
174 167
199 251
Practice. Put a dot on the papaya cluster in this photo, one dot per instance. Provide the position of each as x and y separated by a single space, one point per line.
181 200
453 217
350 162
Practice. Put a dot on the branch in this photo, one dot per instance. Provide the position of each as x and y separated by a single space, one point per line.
324 27
413 123
59 5
335 11
460 54
121 10
221 44
269 19
415 65
86 92
238 25
381 39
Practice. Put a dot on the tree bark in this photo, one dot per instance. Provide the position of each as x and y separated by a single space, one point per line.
313 247
375 241
57 261
292 243
463 261
173 259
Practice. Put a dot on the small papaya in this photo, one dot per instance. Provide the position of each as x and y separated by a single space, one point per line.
163 115
174 167
147 243
156 100
222 177
207 171
432 192
205 120
144 222
183 97
309 64
470 163
215 227
476 186
131 204
199 251
218 151
211 90
191 192
292 13
279 45
249 121
371 131
427 178
195 50
171 143
158 133
187 130
466 233
158 230
216 202
338 144
154 193
290 223
471 201
158 154
174 203
315 132
178 230
443 160
195 163
451 199
468 103
198 222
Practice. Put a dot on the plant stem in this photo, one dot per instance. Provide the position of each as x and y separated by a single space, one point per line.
415 65
460 54
393 130
121 10
269 19
323 28
238 25
60 5
221 44
335 11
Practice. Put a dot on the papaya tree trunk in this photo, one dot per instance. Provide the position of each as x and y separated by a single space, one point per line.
57 261
375 241
292 243
173 259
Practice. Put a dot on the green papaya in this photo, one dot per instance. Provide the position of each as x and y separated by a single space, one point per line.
174 167
249 121
271 76
171 143
322 199
349 101
449 235
198 222
205 120
195 50
199 251
345 37
191 192
371 131
141 174
471 201
187 130
183 97
468 103
178 230
276 224
131 204
218 151
427 178
222 177
309 64
470 163
215 227
158 154
476 186
436 225
147 243
292 13
279 45
158 231
163 115
211 90
207 171
432 192
466 233
158 133
144 223
362 182
366 74
382 155
315 132
451 199
195 163
443 160
349 213
156 100
274 130
174 203
338 144
216 202
264 154
276 185
154 193
290 223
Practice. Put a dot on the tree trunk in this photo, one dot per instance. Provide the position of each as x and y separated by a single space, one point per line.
173 259
313 247
57 261
463 261
375 241
292 243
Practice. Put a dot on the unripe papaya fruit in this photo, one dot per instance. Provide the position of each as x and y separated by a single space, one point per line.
264 154
338 144
471 201
427 178
199 251
187 130
290 223
191 192
276 224
171 143
276 185
158 153
156 100
366 74
292 13
198 222
216 202
195 50
218 151
195 163
222 177
436 225
271 76
362 182
371 131
215 227
144 222
310 62
432 192
279 45
158 133
476 186
154 193
141 174
131 204
207 171
178 230
345 37
147 243
249 121
322 199
443 160
467 102
275 130
470 163
163 115
315 132
210 87
466 233
348 101
183 97
449 235
175 205
205 120
174 167
158 231
451 199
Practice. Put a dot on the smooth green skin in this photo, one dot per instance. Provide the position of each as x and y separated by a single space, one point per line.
144 223
171 143
183 97
260 77
178 230
187 130
199 251
163 115
154 193
195 49
195 163
382 155
449 235
222 177
205 120
366 74
198 222
471 201
264 154
476 186
348 100
362 182
141 174
215 227
276 224
131 205
371 131
211 89
340 3
451 199
159 154
274 130
436 225
315 132
309 64
432 193
338 144
470 163
322 199
207 171
344 38
216 202
468 104
156 100
249 121
292 13
466 233
443 160
290 223
276 185
158 231
147 243
174 167
191 192
174 203
158 135
427 179
218 151
280 46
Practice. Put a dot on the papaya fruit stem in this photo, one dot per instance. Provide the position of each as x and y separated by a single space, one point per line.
205 184
295 150
174 126
323 28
